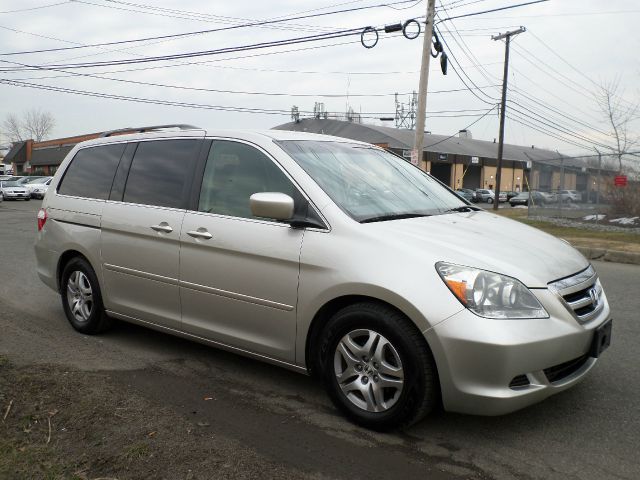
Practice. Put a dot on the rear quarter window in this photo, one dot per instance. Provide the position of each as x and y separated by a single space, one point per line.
90 173
160 173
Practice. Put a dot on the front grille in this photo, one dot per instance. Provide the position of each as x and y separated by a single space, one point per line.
581 294
563 370
519 381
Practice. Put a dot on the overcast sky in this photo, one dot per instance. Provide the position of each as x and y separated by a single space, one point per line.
569 47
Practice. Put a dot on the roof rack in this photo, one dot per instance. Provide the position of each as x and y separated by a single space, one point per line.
180 126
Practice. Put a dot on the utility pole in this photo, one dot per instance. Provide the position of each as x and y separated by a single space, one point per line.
503 107
418 144
598 184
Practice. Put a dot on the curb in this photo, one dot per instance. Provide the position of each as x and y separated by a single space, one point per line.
609 255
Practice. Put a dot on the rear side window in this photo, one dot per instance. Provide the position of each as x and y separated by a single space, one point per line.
160 172
91 172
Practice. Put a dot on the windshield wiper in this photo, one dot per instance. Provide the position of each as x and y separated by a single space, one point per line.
463 208
393 216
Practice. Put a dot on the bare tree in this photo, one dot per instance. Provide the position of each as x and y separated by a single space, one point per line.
35 124
619 114
38 124
12 127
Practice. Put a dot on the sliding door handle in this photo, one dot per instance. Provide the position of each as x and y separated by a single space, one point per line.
163 227
200 234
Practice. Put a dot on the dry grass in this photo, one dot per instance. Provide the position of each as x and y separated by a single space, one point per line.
580 237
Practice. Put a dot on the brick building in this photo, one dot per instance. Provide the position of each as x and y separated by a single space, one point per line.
42 158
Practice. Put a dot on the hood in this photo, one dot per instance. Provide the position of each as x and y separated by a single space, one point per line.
487 241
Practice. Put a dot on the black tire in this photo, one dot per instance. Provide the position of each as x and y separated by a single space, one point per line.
97 320
489 200
420 392
27 199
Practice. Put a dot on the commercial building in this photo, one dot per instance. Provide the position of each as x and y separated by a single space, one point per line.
461 161
42 158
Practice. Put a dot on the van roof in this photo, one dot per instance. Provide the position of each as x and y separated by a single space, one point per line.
255 135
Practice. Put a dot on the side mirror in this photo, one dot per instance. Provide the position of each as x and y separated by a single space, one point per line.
277 206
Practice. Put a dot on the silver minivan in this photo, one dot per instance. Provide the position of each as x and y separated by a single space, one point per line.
324 255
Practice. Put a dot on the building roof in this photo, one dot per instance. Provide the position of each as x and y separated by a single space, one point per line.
402 138
17 153
49 155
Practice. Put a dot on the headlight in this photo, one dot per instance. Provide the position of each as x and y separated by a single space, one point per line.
489 294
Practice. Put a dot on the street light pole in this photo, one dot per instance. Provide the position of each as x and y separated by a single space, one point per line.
418 144
503 107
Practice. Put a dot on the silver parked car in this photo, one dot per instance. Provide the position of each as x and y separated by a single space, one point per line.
326 256
13 190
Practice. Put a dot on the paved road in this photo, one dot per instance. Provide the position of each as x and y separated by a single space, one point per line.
589 432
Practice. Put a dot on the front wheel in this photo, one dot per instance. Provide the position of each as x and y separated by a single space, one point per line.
82 299
377 367
489 200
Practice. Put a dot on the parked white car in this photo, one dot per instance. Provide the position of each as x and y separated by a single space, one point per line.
39 187
569 196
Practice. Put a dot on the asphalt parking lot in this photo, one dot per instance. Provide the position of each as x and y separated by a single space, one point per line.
589 432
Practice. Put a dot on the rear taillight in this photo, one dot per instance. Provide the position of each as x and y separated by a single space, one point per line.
42 218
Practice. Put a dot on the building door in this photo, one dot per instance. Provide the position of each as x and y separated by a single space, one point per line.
442 171
472 177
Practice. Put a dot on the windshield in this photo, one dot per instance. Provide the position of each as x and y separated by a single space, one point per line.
10 184
35 180
370 184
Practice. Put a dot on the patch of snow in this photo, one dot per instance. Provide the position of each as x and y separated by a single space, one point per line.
594 217
625 220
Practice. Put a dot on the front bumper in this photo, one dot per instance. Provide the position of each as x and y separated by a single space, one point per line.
13 195
478 358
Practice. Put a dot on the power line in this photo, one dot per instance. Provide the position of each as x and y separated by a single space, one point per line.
458 4
213 90
219 51
465 128
35 8
194 16
455 61
487 75
218 60
467 52
201 32
557 97
493 10
566 62
575 120
562 127
569 14
553 125
522 121
437 114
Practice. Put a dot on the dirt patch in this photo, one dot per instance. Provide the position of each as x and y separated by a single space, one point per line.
57 423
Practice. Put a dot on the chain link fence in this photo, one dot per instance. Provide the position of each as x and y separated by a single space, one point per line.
589 189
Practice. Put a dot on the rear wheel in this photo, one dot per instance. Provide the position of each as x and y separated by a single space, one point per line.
377 367
82 299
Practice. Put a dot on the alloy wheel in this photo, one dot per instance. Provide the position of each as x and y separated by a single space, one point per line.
79 296
368 370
